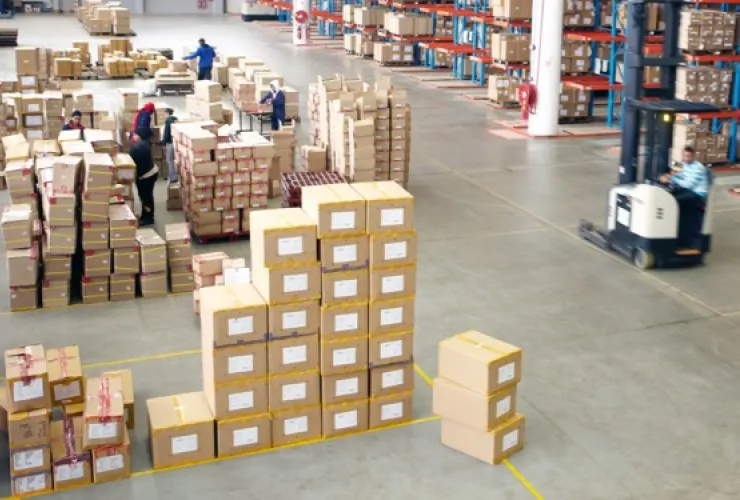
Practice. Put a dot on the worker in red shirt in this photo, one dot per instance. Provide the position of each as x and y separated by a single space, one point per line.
75 123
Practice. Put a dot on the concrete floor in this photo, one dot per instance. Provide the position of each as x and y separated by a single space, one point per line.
630 379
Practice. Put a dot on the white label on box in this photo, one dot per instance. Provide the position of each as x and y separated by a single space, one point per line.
241 401
237 276
392 284
290 246
295 283
391 349
347 386
344 357
510 440
346 322
391 217
345 420
34 389
68 472
184 444
393 316
295 354
342 220
344 253
294 392
391 411
506 373
34 121
107 464
34 108
102 431
241 364
345 288
241 326
30 459
395 251
297 425
246 436
392 378
503 406
295 319
29 484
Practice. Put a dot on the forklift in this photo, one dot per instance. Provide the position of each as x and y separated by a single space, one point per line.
8 10
644 221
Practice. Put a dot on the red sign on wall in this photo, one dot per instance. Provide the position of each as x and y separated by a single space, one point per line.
204 4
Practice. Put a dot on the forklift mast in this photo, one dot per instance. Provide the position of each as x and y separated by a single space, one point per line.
659 127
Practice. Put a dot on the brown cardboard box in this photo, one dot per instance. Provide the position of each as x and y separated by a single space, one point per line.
23 298
337 209
27 379
344 387
127 384
290 320
181 282
392 283
209 264
17 227
489 446
392 409
344 354
95 290
480 411
153 250
122 227
293 354
99 169
23 267
112 463
97 263
65 375
397 249
233 314
344 253
243 435
344 320
234 363
32 484
95 207
287 284
282 236
296 425
179 251
181 429
96 235
60 240
71 463
391 348
390 379
104 412
389 206
391 316
344 287
153 284
235 399
479 362
28 435
126 261
345 418
27 61
293 390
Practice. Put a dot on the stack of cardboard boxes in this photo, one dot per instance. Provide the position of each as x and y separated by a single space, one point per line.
704 84
105 19
502 89
400 137
707 31
574 102
361 146
207 269
710 148
578 14
512 9
390 53
576 57
28 68
121 18
510 47
313 158
179 257
206 102
22 256
475 394
284 159
153 251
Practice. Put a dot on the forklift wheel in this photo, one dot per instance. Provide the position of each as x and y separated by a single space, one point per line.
644 259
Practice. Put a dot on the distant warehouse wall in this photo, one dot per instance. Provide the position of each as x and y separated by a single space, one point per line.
165 7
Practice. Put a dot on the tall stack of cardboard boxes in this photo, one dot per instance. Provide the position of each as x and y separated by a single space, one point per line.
205 103
361 143
21 255
179 257
153 252
27 68
207 267
400 144
287 274
475 394
284 159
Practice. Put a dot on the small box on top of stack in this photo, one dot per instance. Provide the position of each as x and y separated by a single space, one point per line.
475 394
286 272
340 215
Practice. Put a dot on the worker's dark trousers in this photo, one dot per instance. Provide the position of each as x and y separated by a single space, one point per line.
691 216
274 122
204 73
145 187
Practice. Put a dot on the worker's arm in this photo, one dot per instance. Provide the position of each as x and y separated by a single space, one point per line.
193 55
66 127
266 99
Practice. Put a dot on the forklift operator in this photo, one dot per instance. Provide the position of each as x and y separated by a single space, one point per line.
689 186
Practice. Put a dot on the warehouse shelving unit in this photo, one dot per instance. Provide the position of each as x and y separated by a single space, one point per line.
462 16
327 18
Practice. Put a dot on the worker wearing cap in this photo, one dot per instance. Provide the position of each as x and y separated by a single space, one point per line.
276 97
143 122
205 54
75 124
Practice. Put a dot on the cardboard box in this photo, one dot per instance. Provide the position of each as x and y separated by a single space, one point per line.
242 435
397 249
209 264
344 320
233 314
337 209
489 446
112 463
391 316
293 390
391 348
32 484
65 375
208 91
344 287
60 240
479 362
389 206
235 399
16 223
104 412
127 384
27 379
392 282
95 290
288 284
153 284
97 263
296 425
122 227
28 436
345 418
179 251
96 236
391 379
236 363
122 287
345 253
479 411
290 320
23 267
282 236
71 463
181 429
153 250
23 298
293 354
392 409
344 354
344 387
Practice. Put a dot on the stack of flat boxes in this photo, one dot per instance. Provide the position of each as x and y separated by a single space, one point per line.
475 394
53 114
206 267
340 215
21 254
400 151
287 274
234 325
31 117
206 101
228 156
374 105
179 257
153 251
284 159
361 150
341 110
392 258
313 103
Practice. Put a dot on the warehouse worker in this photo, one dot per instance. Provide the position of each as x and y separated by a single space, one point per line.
143 122
76 124
169 146
205 55
276 97
146 177
690 185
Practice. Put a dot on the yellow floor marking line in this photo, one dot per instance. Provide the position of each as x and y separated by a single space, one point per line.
423 375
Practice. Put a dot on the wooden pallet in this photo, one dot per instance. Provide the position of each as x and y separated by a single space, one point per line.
174 89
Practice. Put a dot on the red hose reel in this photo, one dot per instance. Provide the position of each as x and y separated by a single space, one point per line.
527 97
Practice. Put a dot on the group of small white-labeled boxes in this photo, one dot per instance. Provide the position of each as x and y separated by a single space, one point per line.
320 343
64 430
475 394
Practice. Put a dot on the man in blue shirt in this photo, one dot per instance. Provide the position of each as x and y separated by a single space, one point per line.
690 185
205 54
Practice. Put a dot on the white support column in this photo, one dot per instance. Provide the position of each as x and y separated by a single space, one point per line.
301 22
547 42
